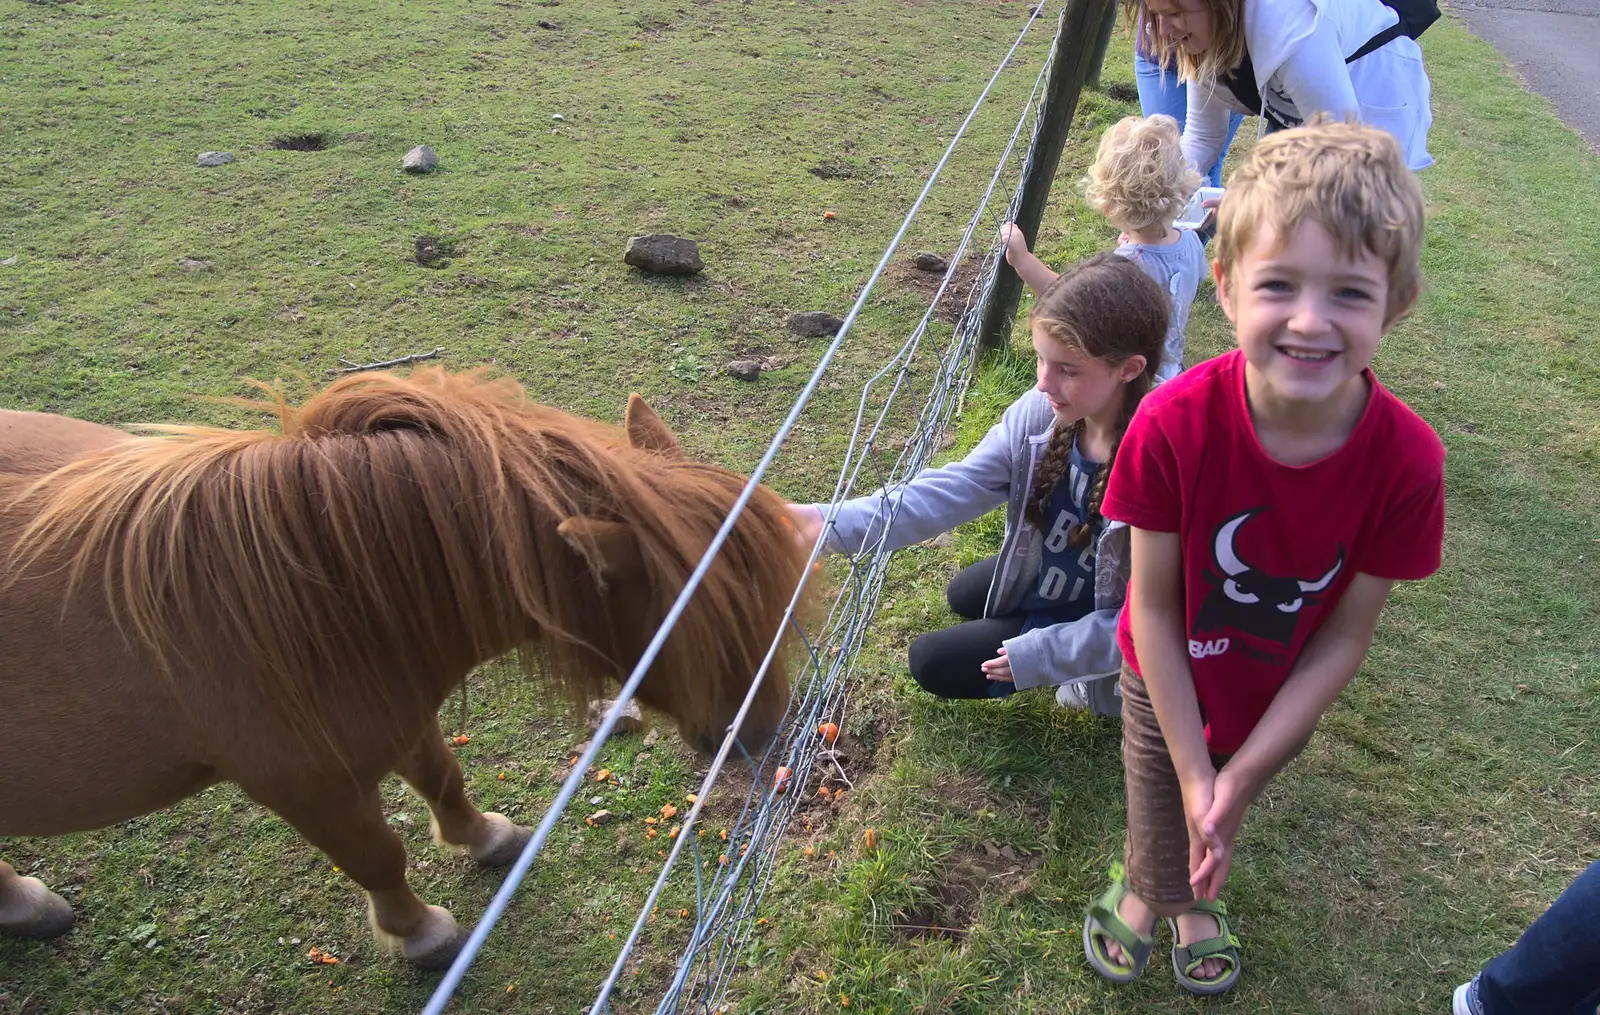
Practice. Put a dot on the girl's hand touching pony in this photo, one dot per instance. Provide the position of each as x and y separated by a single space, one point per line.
807 520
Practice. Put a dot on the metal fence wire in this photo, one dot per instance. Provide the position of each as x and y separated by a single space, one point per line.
920 385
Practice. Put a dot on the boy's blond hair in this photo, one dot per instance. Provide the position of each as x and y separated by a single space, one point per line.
1140 177
1349 178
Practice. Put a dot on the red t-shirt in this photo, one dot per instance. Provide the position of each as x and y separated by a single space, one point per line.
1268 549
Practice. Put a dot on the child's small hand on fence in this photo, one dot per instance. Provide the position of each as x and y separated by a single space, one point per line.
999 668
1015 243
807 524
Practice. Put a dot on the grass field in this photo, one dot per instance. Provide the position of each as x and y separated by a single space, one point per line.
1450 795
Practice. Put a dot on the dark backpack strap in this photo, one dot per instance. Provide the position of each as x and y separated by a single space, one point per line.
1378 41
1241 81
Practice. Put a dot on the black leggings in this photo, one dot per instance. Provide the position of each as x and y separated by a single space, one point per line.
946 662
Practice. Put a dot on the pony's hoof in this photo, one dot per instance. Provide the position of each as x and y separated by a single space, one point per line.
35 911
504 842
434 945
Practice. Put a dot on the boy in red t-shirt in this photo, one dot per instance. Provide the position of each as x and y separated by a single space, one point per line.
1275 494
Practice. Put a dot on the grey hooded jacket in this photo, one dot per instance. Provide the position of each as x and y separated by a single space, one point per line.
1000 471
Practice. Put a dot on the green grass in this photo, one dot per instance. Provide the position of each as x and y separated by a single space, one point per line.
1449 797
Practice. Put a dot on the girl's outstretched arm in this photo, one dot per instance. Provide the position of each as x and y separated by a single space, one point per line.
1034 272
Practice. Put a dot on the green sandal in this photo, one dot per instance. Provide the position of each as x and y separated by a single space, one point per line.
1102 921
1225 945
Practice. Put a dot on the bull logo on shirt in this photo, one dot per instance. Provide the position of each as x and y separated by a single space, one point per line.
1250 600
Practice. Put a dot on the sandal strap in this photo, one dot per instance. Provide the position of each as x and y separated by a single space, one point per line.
1222 945
1111 924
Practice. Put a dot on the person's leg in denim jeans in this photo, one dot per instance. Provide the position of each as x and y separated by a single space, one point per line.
1162 92
1553 969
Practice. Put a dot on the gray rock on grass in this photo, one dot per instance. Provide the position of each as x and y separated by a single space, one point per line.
931 262
815 324
744 369
630 721
420 159
207 160
661 254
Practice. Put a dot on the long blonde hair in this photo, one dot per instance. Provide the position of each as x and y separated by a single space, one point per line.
1227 40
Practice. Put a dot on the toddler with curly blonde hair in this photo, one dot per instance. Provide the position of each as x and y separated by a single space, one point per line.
1140 182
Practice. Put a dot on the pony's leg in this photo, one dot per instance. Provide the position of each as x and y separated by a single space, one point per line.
28 908
350 828
432 771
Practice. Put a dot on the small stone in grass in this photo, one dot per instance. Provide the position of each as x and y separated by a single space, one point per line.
420 159
630 721
744 369
815 324
209 160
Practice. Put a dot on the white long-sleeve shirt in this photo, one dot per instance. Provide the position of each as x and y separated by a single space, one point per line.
1298 49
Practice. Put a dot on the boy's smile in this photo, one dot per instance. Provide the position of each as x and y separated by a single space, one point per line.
1308 321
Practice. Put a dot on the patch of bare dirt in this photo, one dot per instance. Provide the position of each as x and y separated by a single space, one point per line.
968 878
906 276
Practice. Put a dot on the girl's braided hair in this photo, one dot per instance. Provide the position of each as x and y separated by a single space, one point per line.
1108 307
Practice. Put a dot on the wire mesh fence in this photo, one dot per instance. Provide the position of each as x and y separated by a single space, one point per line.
902 421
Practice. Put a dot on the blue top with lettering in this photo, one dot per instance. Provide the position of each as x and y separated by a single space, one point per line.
1066 573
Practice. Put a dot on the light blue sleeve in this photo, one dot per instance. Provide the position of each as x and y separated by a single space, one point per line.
935 500
1079 649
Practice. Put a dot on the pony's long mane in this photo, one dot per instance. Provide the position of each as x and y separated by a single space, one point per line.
393 529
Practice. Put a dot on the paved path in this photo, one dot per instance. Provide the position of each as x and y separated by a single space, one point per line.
1554 44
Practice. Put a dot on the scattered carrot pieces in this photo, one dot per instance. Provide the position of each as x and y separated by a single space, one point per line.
649 833
723 835
822 791
808 851
501 777
844 1001
699 832
511 988
673 832
829 215
683 914
871 836
761 922
602 775
572 761
829 732
723 859
691 797
321 957
651 821
460 739
780 779
667 810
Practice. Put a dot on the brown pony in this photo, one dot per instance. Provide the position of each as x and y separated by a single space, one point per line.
287 610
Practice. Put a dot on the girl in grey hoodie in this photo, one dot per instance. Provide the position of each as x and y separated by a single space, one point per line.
1043 611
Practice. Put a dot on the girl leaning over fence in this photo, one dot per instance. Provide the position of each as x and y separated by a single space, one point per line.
1043 611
